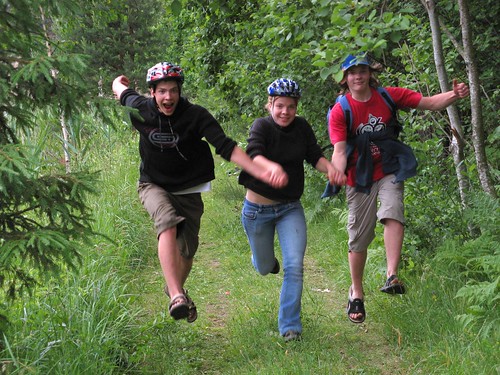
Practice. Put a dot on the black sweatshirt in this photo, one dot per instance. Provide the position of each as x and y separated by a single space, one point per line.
288 146
173 152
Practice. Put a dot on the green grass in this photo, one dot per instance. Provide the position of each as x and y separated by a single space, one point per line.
112 317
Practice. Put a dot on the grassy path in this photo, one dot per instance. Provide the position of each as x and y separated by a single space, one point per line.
111 317
236 332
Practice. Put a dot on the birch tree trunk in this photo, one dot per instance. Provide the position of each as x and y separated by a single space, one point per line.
53 72
457 139
476 108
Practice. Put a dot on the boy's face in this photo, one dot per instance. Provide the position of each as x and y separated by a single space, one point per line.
166 96
358 77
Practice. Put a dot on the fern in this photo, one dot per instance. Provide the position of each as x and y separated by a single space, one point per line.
478 262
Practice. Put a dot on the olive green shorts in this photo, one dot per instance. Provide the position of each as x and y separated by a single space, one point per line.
385 201
169 210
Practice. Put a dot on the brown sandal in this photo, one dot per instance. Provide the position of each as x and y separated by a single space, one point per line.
179 307
192 312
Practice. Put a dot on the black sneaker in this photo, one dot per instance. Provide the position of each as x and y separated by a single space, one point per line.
291 336
276 268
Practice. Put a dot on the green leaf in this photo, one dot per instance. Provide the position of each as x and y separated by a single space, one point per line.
380 44
396 36
405 23
319 63
338 76
326 72
387 17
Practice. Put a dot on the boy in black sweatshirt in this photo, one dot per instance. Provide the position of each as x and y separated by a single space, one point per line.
176 167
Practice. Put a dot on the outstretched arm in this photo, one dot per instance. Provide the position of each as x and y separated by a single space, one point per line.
441 101
120 84
261 168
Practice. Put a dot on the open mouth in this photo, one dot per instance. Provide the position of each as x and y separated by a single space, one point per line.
168 107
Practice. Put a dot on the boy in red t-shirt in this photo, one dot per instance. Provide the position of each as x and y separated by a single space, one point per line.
364 161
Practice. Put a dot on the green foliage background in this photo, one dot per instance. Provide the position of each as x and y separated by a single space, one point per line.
51 227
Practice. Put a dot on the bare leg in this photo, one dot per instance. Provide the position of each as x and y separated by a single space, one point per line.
175 267
393 239
357 261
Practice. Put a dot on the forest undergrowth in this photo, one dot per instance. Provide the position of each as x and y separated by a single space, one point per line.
112 317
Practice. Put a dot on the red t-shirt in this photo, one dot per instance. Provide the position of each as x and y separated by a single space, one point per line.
372 115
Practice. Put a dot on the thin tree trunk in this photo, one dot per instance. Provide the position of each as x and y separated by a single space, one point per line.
476 108
457 142
53 72
65 133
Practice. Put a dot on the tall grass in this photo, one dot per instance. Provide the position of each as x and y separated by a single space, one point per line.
81 325
84 323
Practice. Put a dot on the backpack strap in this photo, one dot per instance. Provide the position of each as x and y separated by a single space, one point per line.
388 100
346 108
394 109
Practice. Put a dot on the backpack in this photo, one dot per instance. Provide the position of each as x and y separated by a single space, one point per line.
344 103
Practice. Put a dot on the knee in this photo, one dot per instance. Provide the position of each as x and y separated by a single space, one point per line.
294 271
263 270
262 273
168 234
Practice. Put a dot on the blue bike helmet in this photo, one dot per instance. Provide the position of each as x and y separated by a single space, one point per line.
284 87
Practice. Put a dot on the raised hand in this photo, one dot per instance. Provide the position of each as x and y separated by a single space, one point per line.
120 84
460 89
123 80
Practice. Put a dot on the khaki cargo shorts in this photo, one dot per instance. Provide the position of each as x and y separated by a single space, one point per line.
363 214
168 210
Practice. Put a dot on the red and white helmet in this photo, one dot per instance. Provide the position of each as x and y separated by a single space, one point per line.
164 71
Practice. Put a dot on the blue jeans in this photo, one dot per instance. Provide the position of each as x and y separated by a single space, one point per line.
287 219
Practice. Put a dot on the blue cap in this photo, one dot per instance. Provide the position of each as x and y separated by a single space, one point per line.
351 60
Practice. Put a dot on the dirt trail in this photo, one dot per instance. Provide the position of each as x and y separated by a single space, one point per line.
225 288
